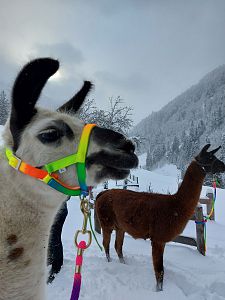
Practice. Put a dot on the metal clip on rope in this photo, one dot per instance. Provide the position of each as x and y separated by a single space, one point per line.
84 206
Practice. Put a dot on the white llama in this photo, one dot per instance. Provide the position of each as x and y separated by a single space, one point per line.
27 205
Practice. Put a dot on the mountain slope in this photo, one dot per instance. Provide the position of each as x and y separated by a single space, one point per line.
194 118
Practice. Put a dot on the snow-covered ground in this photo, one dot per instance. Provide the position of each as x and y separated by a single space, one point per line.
188 275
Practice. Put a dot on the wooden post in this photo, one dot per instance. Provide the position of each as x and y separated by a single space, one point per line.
209 194
200 230
106 185
97 224
125 184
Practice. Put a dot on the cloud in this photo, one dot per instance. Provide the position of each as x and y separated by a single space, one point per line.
58 50
145 51
133 81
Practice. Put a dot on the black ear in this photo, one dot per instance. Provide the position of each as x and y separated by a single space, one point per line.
215 150
77 100
26 91
205 148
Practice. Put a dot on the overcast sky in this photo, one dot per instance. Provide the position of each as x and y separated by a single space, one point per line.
146 51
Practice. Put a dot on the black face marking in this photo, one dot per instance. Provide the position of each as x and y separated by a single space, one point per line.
209 161
104 137
121 161
118 159
53 133
73 105
215 166
111 173
26 91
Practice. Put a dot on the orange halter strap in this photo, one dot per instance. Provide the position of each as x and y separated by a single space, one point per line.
48 175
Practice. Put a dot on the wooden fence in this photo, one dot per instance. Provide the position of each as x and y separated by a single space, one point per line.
132 181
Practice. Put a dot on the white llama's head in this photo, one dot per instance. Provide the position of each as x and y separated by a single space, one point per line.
39 136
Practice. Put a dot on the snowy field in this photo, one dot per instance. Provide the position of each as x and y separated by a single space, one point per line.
188 275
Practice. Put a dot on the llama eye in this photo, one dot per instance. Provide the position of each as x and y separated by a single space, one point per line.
49 136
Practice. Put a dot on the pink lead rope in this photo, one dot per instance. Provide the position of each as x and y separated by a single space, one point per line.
81 246
77 276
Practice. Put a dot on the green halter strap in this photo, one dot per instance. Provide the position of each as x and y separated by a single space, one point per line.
48 176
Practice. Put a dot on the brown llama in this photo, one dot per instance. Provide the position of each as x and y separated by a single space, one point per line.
156 216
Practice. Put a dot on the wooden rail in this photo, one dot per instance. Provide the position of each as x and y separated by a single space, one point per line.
132 181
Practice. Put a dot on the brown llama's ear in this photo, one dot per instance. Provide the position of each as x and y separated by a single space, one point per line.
215 150
205 148
73 105
26 91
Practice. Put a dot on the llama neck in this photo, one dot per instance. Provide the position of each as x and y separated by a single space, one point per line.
190 189
29 208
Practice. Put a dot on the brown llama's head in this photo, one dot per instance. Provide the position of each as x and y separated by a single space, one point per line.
209 161
39 136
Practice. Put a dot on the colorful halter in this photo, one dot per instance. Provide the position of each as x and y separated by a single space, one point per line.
47 174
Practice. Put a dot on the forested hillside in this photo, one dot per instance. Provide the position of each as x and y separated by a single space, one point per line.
196 117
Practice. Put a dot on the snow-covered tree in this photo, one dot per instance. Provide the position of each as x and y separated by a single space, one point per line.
87 111
138 141
149 161
4 108
174 150
117 117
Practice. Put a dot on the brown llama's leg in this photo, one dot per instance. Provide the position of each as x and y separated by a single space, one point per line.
157 257
106 241
119 244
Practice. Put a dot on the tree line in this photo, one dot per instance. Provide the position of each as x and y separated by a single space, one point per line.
118 116
4 107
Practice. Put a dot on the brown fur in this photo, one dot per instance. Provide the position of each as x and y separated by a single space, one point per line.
147 215
15 253
12 239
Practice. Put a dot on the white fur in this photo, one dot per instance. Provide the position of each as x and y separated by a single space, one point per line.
28 207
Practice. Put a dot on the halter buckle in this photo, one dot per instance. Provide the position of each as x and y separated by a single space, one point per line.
16 163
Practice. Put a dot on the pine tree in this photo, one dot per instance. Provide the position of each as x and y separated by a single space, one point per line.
149 162
222 157
4 108
222 150
201 128
175 149
217 118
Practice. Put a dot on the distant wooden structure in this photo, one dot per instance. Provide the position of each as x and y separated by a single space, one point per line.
198 216
106 185
132 181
